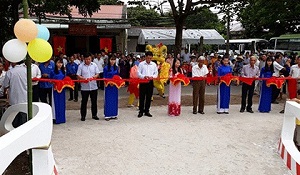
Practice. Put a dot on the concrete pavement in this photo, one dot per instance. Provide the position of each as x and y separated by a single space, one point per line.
189 144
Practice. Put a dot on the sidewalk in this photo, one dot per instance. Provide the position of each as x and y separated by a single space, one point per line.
189 144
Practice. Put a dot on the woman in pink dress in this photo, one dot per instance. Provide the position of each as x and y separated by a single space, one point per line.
176 77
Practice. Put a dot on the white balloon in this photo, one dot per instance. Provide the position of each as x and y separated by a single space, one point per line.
14 50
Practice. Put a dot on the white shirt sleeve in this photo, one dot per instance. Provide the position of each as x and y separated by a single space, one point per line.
194 71
38 72
6 79
79 70
140 69
155 72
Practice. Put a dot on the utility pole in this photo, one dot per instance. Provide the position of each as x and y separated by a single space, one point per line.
228 30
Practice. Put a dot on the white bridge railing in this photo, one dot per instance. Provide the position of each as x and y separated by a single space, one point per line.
287 149
34 134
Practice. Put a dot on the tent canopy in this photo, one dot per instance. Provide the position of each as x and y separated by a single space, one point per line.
189 36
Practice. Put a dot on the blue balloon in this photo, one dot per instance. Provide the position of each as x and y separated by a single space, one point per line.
43 32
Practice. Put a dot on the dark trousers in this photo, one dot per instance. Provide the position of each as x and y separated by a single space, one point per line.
198 95
44 94
75 91
101 82
35 93
146 91
85 96
247 90
275 93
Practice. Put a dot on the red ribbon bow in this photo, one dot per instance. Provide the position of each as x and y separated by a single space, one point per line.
116 80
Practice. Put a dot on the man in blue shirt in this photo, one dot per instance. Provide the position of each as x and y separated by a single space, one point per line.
46 87
72 68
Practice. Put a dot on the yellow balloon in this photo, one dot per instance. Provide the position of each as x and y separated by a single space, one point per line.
39 50
25 30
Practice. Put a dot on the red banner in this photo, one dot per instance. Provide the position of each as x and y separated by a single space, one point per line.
82 29
59 45
106 44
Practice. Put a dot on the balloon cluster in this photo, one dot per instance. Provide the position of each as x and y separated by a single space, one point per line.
26 31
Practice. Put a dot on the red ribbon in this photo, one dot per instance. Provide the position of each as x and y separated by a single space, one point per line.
59 85
247 80
227 79
67 82
116 80
278 82
180 78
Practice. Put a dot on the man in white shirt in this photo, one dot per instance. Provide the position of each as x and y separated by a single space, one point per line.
250 71
277 69
77 59
146 70
16 81
100 63
295 71
186 56
199 70
36 73
86 71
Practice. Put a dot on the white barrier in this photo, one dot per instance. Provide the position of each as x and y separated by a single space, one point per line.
287 149
34 134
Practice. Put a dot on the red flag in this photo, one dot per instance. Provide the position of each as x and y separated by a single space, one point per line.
292 88
59 45
106 44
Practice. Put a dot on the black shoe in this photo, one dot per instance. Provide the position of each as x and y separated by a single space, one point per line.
275 102
107 119
282 111
148 114
95 117
219 112
250 110
242 110
70 99
82 119
140 115
201 112
75 100
226 112
194 112
115 118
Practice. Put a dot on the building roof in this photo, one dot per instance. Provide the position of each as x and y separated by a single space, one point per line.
105 12
189 36
108 17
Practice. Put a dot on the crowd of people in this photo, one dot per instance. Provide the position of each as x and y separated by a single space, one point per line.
88 67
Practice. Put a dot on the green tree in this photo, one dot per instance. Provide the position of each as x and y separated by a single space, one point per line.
204 18
230 9
270 18
180 10
8 17
140 16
